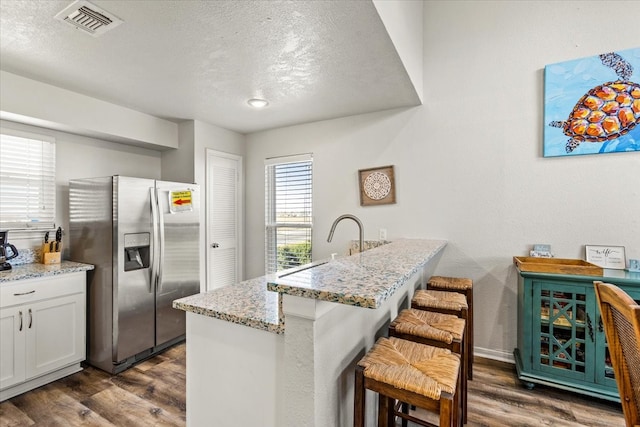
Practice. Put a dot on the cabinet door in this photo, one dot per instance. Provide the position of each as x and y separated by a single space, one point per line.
563 335
604 369
55 334
12 346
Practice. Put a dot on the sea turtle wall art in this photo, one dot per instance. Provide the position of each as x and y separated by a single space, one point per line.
592 105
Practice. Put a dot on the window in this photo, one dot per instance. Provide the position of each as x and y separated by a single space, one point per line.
27 180
288 211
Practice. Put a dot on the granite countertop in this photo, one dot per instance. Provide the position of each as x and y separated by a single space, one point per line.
246 303
365 280
34 270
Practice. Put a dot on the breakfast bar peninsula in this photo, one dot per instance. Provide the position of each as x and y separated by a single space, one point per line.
279 351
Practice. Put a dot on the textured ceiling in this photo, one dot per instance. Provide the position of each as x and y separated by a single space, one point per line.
202 60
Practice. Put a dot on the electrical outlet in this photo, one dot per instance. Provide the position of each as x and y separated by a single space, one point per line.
382 234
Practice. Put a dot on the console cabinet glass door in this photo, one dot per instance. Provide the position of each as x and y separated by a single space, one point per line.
565 330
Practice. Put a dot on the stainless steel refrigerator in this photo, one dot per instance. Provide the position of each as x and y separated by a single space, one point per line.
143 237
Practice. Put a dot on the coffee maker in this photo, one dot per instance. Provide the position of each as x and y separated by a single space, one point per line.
4 245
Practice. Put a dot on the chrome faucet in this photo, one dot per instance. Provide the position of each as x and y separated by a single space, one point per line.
360 227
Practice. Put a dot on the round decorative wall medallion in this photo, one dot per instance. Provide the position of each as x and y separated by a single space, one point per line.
377 186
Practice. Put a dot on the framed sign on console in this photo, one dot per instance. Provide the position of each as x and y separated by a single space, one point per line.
606 256
377 186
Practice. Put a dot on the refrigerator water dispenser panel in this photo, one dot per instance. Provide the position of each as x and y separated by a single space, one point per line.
136 251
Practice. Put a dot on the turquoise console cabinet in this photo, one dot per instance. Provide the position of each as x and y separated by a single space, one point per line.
561 341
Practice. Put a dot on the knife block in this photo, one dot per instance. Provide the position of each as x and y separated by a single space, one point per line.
51 257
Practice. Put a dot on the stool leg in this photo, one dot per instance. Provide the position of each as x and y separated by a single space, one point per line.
405 410
463 378
358 398
469 295
448 408
469 340
460 402
383 411
391 412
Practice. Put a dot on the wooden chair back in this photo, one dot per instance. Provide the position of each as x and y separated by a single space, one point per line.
621 320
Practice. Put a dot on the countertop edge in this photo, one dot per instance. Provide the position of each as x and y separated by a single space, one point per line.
36 271
244 321
338 298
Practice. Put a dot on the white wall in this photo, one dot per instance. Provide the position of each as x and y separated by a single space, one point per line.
188 164
31 102
177 165
207 136
82 157
213 137
468 162
403 22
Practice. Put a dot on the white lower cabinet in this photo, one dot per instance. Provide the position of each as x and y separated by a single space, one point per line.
12 350
42 331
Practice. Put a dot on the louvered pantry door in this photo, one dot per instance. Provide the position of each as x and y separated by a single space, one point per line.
224 172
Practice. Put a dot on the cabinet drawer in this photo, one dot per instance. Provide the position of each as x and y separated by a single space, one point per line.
31 290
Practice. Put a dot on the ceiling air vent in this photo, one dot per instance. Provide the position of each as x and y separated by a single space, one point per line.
88 17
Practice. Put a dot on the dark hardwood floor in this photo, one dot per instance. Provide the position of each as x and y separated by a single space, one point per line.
153 394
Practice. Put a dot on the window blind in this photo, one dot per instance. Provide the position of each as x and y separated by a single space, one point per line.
288 212
27 180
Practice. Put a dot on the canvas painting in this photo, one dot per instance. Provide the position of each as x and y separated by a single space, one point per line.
592 105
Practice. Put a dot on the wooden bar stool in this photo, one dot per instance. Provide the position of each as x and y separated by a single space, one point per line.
446 303
461 285
437 330
424 376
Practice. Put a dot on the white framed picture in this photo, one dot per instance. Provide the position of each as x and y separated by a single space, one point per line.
606 256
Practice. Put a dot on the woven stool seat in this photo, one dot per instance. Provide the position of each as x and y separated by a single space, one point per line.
440 300
462 286
451 283
413 367
430 325
438 330
405 373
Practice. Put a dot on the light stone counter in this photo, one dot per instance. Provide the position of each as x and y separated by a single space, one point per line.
301 376
246 303
365 279
35 271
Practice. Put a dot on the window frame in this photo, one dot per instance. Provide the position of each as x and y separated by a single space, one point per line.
46 194
273 228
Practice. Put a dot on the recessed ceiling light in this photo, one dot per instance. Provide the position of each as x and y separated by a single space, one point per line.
258 103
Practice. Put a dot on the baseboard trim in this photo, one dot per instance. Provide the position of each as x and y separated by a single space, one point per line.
23 387
499 355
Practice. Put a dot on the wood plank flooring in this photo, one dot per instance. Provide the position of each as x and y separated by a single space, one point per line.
498 398
153 394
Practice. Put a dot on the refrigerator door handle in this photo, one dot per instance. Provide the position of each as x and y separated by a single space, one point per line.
161 246
155 219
